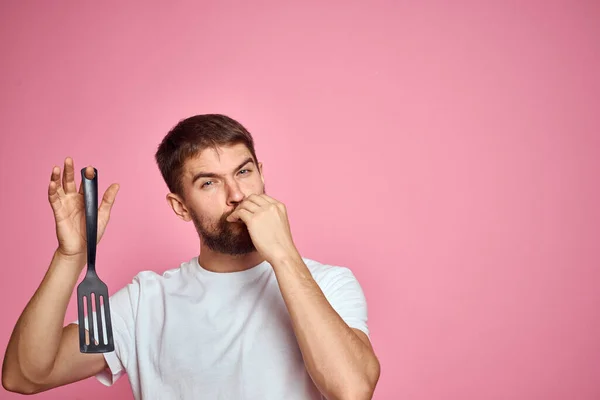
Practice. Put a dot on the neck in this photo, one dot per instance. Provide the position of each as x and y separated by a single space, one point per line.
219 262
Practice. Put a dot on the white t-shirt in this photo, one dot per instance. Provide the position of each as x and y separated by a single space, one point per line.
194 334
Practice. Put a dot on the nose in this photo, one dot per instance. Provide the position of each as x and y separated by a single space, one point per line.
234 194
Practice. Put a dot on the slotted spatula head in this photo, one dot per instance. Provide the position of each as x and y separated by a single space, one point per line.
93 307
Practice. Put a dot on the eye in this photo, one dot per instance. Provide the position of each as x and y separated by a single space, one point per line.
207 184
244 171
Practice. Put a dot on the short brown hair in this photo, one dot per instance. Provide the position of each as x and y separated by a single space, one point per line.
192 135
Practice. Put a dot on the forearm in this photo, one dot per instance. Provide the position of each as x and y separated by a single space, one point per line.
34 344
339 362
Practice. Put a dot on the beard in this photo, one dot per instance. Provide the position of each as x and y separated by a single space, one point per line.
224 237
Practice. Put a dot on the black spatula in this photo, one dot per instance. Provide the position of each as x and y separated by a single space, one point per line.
92 293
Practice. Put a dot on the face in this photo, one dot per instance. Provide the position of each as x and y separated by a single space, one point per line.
215 183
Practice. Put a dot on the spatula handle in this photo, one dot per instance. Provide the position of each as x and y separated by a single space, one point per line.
90 196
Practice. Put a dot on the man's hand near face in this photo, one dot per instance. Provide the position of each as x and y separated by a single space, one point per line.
339 359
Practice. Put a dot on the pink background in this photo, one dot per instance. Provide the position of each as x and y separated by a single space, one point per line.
448 154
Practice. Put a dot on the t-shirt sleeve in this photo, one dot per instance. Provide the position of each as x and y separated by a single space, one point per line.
122 317
344 293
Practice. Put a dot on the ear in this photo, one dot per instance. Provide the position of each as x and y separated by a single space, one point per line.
260 169
178 206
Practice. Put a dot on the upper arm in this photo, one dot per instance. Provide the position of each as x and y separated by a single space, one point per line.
71 365
344 293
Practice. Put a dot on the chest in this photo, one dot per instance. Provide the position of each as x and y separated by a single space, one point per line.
220 334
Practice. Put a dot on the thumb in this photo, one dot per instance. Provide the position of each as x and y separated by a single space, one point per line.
107 202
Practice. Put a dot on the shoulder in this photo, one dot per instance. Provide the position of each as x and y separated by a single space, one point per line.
327 275
318 269
173 274
149 281
343 291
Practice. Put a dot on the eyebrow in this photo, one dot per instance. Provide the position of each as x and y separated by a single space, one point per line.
200 175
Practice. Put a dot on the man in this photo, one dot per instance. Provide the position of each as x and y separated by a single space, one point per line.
248 318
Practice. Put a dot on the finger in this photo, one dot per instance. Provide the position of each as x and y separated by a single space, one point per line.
249 205
54 189
240 214
108 201
55 178
256 199
277 203
268 198
68 179
234 215
89 174
53 197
